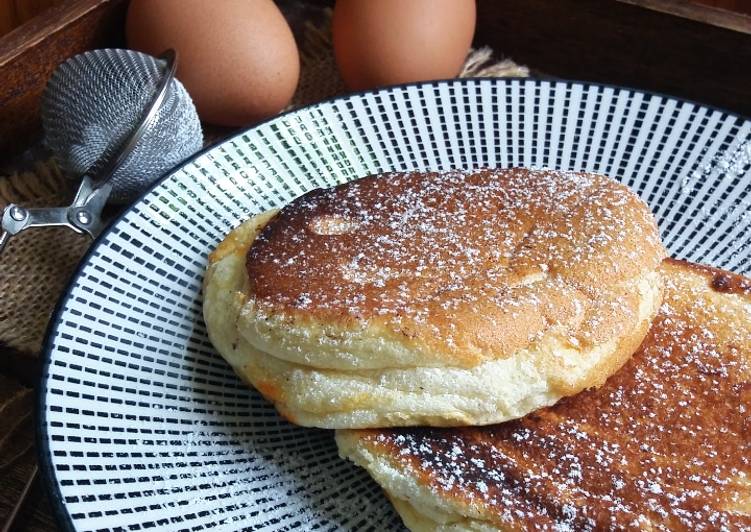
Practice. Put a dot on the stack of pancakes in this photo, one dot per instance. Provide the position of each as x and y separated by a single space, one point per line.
563 373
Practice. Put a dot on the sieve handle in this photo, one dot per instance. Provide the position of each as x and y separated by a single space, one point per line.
128 145
82 216
16 219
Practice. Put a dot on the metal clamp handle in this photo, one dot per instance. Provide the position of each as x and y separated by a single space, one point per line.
83 215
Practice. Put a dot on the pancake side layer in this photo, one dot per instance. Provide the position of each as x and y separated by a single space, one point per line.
439 395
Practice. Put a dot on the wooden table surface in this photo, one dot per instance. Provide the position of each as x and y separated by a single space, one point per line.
599 40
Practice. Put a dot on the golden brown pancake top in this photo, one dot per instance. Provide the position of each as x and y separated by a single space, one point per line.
667 439
478 261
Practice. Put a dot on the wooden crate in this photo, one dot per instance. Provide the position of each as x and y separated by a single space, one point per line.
30 53
615 42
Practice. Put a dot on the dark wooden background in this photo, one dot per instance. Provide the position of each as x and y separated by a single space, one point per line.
607 41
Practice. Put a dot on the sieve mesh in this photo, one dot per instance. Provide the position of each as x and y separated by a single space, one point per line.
96 99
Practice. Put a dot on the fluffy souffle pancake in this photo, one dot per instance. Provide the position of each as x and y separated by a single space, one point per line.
459 298
665 444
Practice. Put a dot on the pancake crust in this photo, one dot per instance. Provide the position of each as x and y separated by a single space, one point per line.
440 299
665 444
464 267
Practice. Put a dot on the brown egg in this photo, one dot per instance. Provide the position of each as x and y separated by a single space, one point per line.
386 42
237 58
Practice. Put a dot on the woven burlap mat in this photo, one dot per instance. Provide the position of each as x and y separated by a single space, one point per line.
36 265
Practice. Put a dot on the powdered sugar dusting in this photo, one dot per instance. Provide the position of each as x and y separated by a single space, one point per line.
666 443
423 251
332 225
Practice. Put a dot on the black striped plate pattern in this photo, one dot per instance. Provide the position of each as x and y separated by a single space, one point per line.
143 425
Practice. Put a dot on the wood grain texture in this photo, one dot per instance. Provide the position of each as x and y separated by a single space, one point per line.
30 53
13 13
612 42
739 6
716 13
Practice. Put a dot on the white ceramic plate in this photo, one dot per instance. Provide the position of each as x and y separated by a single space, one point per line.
143 425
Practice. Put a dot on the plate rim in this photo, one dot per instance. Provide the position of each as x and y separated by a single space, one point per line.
48 478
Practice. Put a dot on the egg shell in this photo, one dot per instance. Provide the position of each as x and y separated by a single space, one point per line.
237 58
386 42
